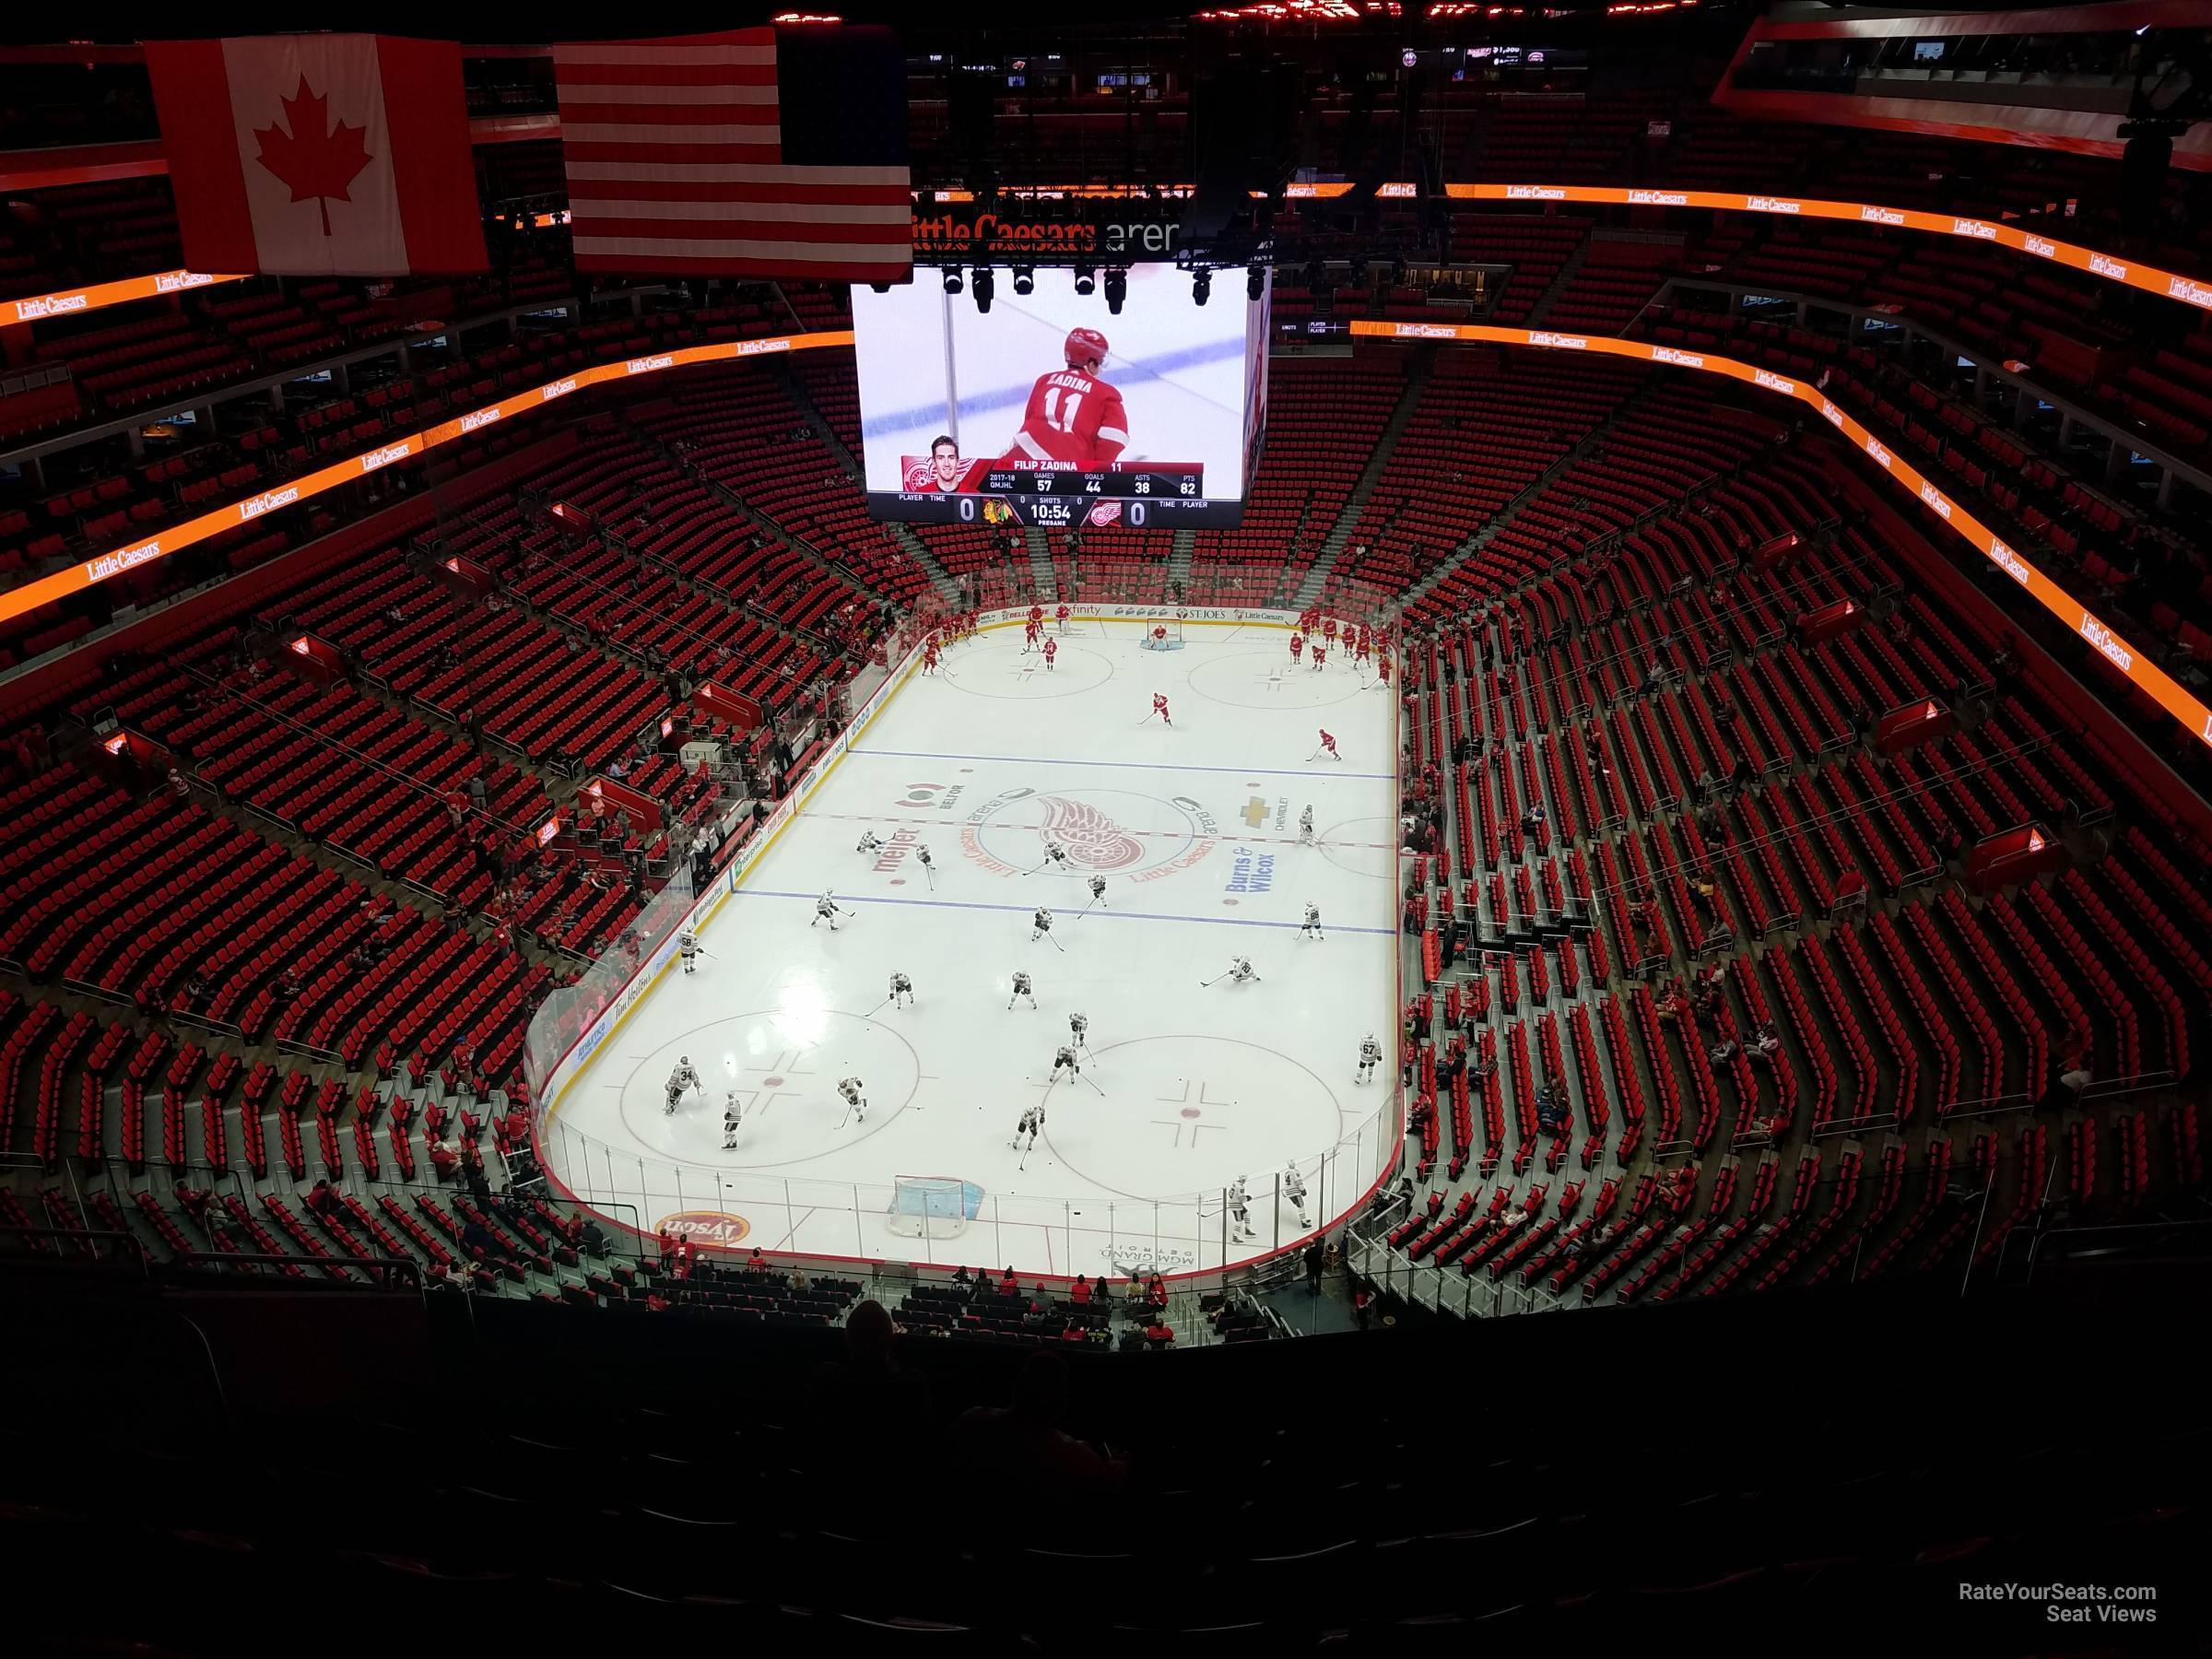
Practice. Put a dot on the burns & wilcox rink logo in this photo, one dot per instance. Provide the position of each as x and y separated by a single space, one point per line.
707 1230
1093 828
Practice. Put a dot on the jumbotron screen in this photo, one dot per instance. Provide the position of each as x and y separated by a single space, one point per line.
1052 411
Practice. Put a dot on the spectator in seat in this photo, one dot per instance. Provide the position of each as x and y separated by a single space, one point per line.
1766 1043
195 1201
1669 1005
176 787
799 1281
322 1199
1721 1052
1099 1293
1079 1292
960 1278
478 1241
443 1159
1009 1285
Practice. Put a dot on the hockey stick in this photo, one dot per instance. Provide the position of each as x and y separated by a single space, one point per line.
848 1117
871 1013
1101 1093
1053 943
1218 978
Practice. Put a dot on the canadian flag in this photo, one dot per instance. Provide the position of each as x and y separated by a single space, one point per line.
325 155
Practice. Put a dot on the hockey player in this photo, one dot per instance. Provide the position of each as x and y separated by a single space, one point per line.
1031 631
1072 415
1078 1026
1382 670
685 1076
1098 892
1043 924
1305 826
686 947
1240 969
1066 1056
731 1118
1239 1213
1036 617
929 654
1032 1121
1021 988
1370 1056
1294 1189
1312 927
929 869
855 1101
1060 618
902 991
870 843
1328 746
1051 650
1320 655
1360 649
1298 648
1054 853
1159 707
1328 632
826 909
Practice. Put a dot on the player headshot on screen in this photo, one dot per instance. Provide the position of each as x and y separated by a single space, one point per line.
943 472
1072 416
944 463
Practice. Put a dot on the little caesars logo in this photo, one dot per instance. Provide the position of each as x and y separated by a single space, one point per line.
646 365
384 457
708 1229
480 417
255 506
53 305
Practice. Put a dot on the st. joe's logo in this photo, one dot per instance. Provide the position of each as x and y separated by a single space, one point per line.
1104 832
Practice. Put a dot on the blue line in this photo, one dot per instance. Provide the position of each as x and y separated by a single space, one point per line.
1026 910
1233 772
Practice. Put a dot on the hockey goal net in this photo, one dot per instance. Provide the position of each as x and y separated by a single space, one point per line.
931 1206
1164 635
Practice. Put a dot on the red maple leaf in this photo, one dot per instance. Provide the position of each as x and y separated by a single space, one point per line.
317 160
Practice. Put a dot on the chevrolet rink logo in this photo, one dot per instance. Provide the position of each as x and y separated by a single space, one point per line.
480 417
255 506
646 365
114 564
384 457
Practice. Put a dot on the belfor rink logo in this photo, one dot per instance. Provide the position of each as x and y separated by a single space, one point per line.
1102 832
707 1230
939 796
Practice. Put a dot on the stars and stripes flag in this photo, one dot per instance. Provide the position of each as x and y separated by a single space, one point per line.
758 152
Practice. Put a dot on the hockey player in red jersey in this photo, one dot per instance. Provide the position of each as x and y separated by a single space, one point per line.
1319 653
1029 632
1061 616
1298 646
1051 650
929 654
1037 616
1328 630
1072 415
1159 707
1383 671
1328 746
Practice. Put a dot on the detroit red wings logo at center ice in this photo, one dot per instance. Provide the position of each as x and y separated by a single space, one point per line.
1091 839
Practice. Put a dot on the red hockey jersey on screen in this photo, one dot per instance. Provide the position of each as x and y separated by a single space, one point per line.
1071 416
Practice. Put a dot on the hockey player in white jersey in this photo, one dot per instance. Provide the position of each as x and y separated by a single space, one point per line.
1043 924
1241 971
1312 930
929 869
1021 988
686 947
826 909
1079 1028
856 1102
685 1076
1305 826
869 842
731 1117
1065 1057
1294 1190
1370 1056
1098 892
1055 854
902 991
1239 1214
1025 1132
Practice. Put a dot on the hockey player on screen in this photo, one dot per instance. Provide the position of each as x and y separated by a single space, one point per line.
686 947
929 655
1072 415
1319 654
1328 746
1239 1213
826 909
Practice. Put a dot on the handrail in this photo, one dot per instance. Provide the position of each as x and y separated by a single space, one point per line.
84 1235
398 1267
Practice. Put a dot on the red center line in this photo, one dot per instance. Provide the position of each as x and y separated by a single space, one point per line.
1283 841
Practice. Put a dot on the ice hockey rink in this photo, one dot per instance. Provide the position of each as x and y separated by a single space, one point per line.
1186 1085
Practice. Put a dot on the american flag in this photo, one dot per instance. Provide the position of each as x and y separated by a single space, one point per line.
759 152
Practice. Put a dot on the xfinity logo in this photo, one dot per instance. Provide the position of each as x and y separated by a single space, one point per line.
1667 354
1563 342
1974 228
1770 204
560 388
646 365
170 282
2108 644
2108 268
114 564
1774 383
479 417
1535 192
1426 331
1933 497
2041 249
2007 560
53 305
1881 215
384 457
1882 456
255 506
1659 199
2193 293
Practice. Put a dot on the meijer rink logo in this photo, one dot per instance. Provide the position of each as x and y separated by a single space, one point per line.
708 1229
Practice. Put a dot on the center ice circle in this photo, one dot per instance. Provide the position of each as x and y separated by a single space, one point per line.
785 1074
1187 1114
1103 831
